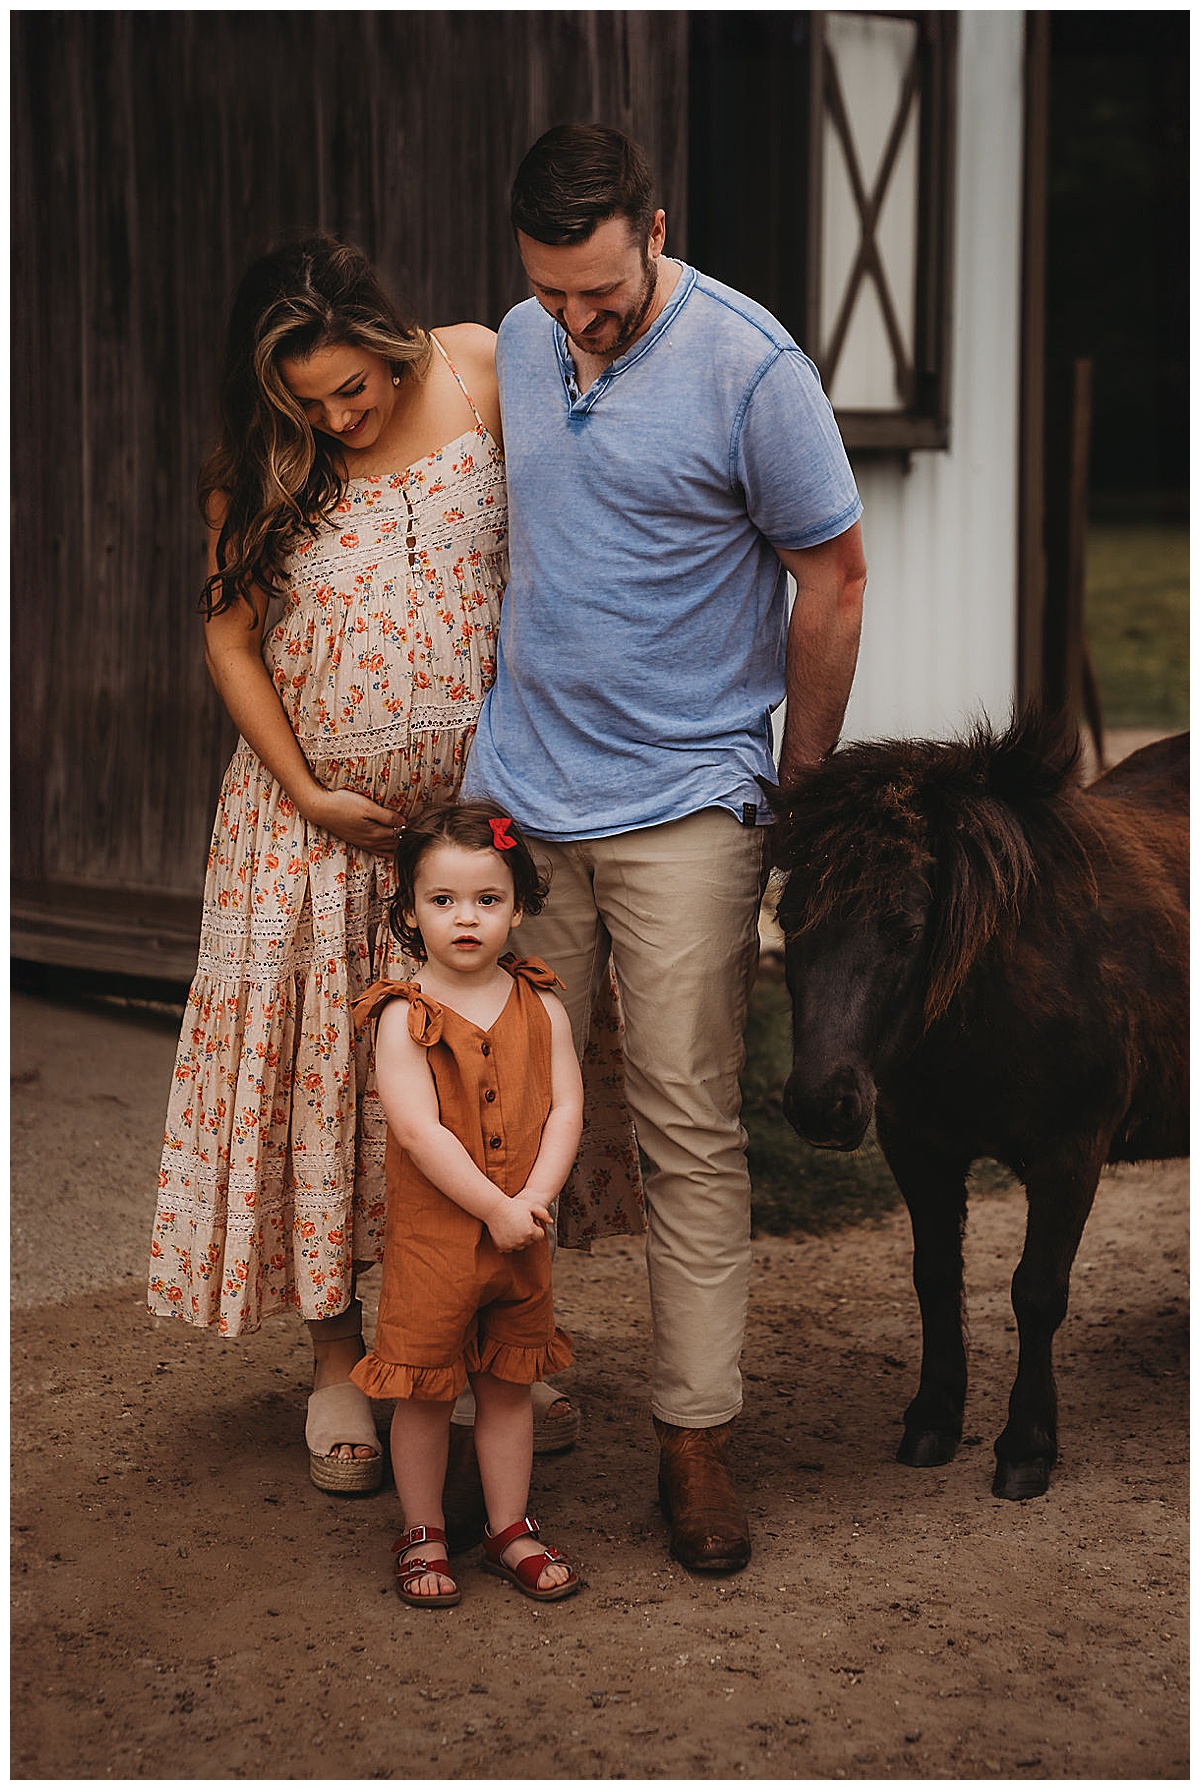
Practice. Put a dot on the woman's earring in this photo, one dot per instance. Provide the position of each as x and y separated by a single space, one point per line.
395 378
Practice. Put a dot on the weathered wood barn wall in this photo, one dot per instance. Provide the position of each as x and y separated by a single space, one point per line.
153 155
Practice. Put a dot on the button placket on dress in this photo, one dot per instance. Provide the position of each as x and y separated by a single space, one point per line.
494 1141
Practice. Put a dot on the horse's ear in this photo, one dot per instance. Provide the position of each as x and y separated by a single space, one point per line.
1036 757
782 800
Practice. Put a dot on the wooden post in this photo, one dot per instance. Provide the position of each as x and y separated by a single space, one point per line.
1067 682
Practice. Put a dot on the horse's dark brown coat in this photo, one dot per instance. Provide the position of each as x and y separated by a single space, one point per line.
993 960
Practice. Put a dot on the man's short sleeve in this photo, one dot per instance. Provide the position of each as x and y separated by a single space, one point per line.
789 458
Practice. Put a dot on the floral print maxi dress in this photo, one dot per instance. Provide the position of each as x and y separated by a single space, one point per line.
272 1179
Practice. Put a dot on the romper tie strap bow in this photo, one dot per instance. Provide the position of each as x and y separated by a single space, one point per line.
531 970
424 1014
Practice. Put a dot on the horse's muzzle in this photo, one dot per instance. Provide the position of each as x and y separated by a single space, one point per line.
834 1116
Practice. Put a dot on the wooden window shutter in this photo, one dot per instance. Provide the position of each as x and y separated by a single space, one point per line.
880 196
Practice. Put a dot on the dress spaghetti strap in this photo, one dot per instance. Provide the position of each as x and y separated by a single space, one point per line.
462 388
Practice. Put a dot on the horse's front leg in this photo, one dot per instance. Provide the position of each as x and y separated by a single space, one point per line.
935 1192
1060 1197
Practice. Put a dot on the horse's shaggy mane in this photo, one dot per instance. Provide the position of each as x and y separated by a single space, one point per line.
980 821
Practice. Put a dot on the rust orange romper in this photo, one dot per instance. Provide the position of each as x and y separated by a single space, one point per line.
450 1302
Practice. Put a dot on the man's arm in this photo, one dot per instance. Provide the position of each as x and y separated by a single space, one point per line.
822 646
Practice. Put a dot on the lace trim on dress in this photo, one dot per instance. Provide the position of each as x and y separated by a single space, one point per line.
432 717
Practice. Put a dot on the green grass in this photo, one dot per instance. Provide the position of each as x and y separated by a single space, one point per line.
1137 622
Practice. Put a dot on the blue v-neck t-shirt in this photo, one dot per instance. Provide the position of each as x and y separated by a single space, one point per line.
643 630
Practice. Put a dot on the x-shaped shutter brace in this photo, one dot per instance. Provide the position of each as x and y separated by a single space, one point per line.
868 263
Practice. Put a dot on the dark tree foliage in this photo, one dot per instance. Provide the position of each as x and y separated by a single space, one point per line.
1117 289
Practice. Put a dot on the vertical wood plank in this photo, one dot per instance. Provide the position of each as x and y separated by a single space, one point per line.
154 154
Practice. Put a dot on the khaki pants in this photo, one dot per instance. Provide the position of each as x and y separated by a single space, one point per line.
677 906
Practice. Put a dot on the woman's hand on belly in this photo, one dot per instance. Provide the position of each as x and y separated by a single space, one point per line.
356 819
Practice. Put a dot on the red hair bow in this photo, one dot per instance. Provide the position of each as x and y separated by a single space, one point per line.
500 838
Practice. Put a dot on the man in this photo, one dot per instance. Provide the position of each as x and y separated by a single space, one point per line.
670 455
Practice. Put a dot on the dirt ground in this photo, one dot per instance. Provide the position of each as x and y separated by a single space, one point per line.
188 1605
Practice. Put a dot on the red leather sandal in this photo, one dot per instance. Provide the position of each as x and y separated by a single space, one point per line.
409 1571
526 1573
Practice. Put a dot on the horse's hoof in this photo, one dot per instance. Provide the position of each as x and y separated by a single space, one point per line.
927 1448
1021 1479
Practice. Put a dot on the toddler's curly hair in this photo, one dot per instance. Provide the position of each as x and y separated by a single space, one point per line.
468 824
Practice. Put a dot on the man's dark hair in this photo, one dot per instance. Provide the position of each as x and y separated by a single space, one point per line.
577 176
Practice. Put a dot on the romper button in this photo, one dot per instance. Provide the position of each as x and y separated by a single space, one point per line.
489 1093
495 1142
486 1049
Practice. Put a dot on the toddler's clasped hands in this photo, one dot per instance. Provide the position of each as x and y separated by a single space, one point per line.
518 1222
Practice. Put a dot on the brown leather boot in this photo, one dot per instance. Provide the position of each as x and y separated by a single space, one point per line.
709 1531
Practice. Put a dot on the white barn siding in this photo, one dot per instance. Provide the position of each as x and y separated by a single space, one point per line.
940 624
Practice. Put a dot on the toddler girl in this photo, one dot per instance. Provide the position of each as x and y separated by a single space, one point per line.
482 1091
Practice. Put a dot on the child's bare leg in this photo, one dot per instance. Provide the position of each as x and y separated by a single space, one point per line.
504 1446
420 1441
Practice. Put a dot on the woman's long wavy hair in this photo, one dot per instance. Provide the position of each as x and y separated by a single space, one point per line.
277 477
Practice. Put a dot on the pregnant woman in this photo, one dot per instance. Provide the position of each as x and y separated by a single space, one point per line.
357 525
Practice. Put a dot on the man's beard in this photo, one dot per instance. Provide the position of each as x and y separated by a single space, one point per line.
632 320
